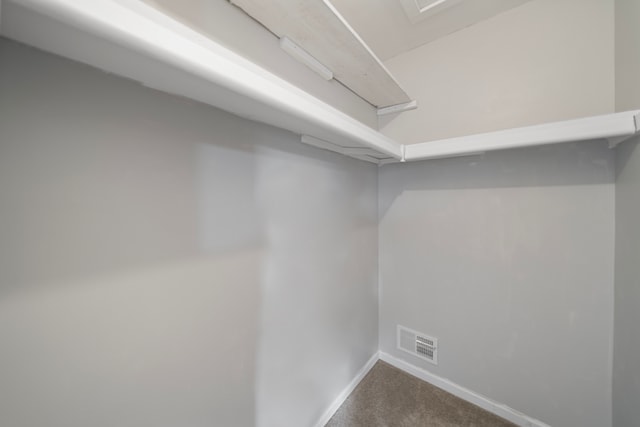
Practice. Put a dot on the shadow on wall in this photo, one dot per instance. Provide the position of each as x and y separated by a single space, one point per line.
315 213
625 151
626 372
162 262
579 163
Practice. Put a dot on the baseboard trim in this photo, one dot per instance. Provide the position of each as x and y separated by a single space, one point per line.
485 403
337 403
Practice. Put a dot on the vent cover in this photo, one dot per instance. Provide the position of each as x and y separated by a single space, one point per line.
417 10
418 344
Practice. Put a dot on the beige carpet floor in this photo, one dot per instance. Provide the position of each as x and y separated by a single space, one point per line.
388 397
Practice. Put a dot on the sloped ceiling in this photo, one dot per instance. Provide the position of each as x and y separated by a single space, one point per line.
386 28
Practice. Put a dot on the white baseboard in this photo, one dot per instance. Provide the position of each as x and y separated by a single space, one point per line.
324 419
485 403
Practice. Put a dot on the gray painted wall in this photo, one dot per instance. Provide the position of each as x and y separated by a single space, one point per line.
163 263
507 258
543 61
626 360
627 59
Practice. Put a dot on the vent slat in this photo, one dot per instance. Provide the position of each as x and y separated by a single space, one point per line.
418 344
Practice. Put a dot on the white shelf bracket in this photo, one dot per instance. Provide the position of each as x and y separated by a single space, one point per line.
301 55
398 108
361 153
615 141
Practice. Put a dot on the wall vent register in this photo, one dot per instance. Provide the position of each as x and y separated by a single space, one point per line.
418 344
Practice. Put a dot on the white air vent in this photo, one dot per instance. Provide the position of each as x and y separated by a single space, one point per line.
417 10
418 344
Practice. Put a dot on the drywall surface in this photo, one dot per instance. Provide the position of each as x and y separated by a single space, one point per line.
230 26
626 363
163 263
507 258
627 36
546 60
388 31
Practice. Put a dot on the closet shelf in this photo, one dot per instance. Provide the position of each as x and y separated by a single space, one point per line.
320 30
615 128
132 39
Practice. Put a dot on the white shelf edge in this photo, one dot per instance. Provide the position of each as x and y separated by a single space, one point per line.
319 29
398 108
145 30
608 126
141 28
616 140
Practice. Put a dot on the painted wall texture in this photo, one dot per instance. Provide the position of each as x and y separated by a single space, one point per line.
508 259
163 263
627 58
546 60
626 363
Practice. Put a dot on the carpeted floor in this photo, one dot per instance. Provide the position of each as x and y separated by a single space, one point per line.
388 397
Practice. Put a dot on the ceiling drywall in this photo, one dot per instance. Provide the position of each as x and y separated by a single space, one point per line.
386 28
